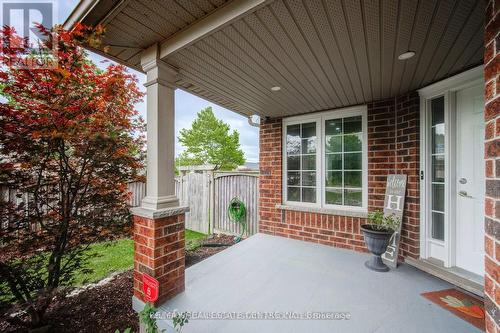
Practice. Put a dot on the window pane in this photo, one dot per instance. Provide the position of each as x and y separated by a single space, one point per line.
438 197
343 161
293 178
438 226
309 145
352 142
352 161
437 108
309 178
293 194
309 130
308 194
352 179
293 139
308 162
353 197
333 127
333 144
301 162
333 196
333 179
438 168
334 162
352 125
438 139
293 162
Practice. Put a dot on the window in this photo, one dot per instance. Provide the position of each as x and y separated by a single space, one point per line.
301 146
325 159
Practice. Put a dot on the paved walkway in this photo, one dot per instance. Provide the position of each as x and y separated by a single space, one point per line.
267 274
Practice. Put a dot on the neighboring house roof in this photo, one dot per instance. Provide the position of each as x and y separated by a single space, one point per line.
249 166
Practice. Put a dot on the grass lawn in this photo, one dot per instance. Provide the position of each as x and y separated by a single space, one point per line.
116 256
193 239
109 257
119 256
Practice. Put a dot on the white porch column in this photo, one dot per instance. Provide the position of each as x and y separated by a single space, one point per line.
160 84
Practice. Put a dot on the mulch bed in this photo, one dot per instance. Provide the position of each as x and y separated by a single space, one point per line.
203 252
107 308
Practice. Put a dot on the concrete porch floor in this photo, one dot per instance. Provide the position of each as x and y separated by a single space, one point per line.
268 273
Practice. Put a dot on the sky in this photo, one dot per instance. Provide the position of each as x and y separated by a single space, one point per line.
186 105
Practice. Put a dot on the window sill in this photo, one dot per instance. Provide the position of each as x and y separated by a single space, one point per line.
328 211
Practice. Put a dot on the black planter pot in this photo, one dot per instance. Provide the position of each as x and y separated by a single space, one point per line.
377 242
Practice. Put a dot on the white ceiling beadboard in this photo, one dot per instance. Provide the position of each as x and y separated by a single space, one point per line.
323 54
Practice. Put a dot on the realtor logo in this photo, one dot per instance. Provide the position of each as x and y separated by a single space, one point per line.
22 16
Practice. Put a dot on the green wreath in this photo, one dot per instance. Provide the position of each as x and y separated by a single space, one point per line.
237 213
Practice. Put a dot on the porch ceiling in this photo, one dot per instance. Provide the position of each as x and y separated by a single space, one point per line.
323 54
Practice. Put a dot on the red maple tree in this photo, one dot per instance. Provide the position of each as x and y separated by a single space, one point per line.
69 144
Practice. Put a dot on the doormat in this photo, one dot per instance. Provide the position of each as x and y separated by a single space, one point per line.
463 305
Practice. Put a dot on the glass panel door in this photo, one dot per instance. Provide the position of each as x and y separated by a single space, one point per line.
437 167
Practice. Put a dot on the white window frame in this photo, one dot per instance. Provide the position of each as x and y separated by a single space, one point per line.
320 118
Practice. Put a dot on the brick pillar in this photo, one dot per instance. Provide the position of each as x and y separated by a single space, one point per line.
492 158
159 251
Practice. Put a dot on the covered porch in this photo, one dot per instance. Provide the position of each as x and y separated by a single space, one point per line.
271 274
409 78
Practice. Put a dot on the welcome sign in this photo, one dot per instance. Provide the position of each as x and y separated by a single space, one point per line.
394 203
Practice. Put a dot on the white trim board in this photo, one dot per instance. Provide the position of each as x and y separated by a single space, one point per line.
454 83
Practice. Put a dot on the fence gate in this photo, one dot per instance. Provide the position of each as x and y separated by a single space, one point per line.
243 186
193 190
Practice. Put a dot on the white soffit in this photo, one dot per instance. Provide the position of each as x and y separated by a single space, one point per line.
323 54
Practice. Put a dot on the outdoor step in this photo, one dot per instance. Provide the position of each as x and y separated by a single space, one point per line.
470 282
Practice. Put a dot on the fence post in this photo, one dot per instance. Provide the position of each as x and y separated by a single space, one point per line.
211 222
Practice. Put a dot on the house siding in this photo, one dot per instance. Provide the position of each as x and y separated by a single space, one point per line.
393 147
492 154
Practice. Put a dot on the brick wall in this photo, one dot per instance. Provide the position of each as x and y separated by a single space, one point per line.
492 157
159 252
408 162
393 147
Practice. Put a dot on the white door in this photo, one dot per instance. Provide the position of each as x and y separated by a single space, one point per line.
470 182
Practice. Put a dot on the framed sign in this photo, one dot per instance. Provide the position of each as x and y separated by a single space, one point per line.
150 288
394 203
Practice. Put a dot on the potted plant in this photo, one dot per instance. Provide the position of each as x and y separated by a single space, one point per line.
377 235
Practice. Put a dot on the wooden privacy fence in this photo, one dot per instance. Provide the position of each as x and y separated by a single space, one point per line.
208 193
138 191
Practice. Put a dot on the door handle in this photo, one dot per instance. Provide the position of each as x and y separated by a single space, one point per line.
464 194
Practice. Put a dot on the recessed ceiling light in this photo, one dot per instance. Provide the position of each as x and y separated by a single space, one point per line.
276 88
406 55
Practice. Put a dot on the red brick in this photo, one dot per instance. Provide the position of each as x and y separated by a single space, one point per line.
489 52
489 206
492 269
489 168
492 109
490 130
150 256
497 251
489 247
